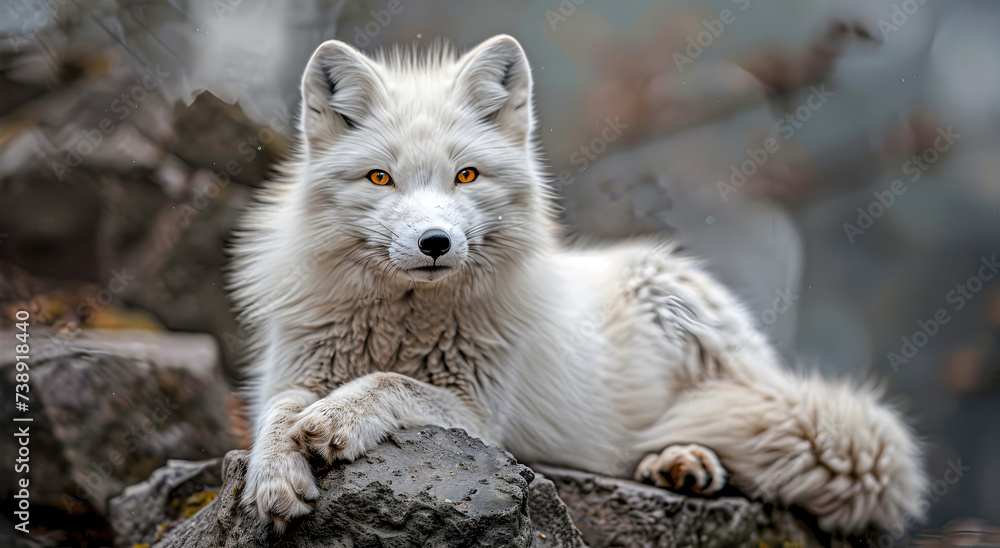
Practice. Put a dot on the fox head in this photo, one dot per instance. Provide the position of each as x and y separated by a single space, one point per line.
420 168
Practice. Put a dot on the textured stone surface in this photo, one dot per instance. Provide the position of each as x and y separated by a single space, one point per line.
144 511
614 512
551 522
422 487
401 494
109 408
617 512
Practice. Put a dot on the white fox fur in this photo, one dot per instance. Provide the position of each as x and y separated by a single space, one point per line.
584 358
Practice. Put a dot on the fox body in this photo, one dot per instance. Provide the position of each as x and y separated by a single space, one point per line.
405 268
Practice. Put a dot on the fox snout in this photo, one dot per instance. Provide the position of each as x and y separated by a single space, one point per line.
427 250
434 243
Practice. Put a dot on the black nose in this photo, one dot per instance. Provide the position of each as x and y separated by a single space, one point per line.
434 243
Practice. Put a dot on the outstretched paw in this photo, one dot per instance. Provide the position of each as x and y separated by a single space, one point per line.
688 468
338 429
279 487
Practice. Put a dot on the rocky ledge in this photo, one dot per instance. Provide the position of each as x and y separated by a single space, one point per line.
429 486
421 487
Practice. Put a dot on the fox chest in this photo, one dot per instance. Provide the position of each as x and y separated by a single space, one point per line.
428 344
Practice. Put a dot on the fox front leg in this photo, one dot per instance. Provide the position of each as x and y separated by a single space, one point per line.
358 415
279 482
345 424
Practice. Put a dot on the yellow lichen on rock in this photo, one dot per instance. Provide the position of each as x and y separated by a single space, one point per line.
196 502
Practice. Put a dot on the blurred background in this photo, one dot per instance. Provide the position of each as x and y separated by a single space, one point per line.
835 162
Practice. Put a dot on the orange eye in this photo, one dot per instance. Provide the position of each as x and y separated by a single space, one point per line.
467 175
379 177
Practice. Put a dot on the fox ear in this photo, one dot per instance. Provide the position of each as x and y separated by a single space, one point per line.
495 81
339 90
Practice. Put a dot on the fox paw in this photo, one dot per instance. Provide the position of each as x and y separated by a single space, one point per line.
690 468
338 429
279 487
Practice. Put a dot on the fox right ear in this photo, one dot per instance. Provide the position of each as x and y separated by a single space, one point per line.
339 89
495 81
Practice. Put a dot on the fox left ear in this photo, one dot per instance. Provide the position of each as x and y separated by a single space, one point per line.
340 89
495 81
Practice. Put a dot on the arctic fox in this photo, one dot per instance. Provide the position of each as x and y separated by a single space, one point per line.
405 269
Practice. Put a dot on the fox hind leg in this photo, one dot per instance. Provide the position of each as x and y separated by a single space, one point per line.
830 448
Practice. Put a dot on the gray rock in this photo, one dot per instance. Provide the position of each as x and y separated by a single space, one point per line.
146 510
13 538
421 487
551 522
616 512
110 408
402 492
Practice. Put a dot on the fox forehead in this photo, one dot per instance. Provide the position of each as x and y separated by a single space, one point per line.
416 137
425 93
